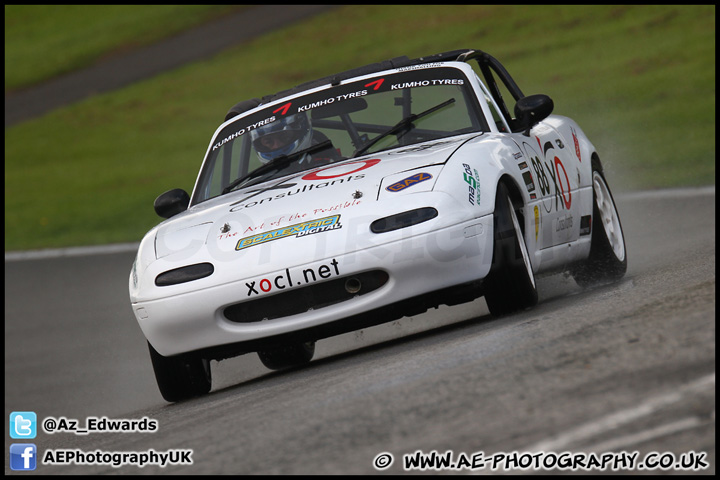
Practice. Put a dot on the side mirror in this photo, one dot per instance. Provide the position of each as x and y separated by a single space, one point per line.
171 203
531 110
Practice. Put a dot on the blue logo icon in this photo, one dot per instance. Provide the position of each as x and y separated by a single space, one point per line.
23 456
23 425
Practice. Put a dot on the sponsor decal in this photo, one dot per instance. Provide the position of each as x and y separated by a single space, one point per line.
564 223
337 206
277 221
241 205
375 84
565 198
329 100
340 169
351 90
539 171
585 224
427 83
545 172
418 67
536 210
409 182
577 144
282 219
529 183
284 109
243 131
473 182
421 148
298 230
289 279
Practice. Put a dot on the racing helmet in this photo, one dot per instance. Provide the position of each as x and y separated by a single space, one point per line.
282 137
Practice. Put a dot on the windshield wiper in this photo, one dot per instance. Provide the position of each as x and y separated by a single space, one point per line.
402 124
277 164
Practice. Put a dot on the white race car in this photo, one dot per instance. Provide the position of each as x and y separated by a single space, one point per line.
363 197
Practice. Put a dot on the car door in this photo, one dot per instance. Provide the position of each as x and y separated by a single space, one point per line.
550 164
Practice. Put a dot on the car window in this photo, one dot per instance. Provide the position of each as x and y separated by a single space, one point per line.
497 117
507 100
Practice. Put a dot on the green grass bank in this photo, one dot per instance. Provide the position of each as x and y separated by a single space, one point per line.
640 80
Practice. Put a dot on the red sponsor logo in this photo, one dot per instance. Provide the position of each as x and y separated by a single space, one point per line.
326 173
284 109
577 144
376 83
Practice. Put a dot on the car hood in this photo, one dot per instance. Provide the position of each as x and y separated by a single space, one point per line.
308 202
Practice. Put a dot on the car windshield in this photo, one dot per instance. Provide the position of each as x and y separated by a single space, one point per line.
355 118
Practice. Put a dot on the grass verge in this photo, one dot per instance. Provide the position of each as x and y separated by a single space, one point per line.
640 80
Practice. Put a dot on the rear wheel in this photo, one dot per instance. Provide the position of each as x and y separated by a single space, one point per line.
286 356
181 377
510 285
607 261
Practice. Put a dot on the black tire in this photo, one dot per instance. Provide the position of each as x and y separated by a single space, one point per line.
181 377
510 285
607 261
287 356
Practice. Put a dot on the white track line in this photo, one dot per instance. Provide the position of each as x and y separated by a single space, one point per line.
667 193
621 443
572 437
71 252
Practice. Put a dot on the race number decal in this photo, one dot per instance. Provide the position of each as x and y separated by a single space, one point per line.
566 199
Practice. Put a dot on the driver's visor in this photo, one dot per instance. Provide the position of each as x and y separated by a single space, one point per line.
275 140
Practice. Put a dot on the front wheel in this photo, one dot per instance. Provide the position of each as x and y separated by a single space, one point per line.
286 356
181 377
607 261
510 285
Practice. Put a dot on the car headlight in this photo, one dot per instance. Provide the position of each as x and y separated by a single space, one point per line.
402 220
176 238
184 274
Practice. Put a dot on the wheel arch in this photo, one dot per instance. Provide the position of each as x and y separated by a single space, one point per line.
510 284
516 197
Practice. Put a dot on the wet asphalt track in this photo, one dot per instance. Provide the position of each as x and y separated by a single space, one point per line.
620 368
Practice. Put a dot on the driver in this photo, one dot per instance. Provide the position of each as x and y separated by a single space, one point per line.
282 137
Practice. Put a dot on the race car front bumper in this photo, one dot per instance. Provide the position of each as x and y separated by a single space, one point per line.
319 299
